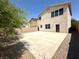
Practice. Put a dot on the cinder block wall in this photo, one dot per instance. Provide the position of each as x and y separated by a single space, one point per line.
25 30
62 51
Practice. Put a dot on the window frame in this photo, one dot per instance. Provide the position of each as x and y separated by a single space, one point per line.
52 14
61 11
47 26
56 13
40 26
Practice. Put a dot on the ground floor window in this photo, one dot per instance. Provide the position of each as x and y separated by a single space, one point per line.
47 26
40 26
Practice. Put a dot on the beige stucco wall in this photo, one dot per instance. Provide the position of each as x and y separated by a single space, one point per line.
33 24
64 20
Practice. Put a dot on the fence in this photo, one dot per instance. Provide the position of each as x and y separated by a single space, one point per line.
77 27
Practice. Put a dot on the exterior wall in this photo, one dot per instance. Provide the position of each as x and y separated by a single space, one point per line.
63 20
62 51
33 24
69 18
25 30
27 25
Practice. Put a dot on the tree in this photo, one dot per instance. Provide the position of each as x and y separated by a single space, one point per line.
74 23
10 18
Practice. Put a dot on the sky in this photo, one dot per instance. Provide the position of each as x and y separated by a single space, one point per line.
32 8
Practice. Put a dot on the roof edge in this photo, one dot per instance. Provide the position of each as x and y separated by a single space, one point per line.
53 5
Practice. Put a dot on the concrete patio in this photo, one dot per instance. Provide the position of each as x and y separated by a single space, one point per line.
43 45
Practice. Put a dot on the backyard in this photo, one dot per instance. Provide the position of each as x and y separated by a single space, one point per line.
43 44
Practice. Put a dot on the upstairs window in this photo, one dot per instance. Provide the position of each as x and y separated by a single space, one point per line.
61 11
56 13
39 18
52 14
47 26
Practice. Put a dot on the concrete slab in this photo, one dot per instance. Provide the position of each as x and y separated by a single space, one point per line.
43 45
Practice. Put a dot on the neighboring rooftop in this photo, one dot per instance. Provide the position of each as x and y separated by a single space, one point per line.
33 19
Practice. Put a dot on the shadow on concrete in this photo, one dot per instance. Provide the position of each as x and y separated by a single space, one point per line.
73 52
14 51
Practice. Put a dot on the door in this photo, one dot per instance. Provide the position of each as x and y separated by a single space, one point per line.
57 28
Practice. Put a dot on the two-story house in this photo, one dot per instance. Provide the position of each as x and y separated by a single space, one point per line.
56 18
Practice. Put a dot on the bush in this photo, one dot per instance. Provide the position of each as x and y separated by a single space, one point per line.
10 18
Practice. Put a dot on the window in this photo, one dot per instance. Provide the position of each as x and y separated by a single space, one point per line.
40 26
61 11
39 18
56 13
52 14
47 26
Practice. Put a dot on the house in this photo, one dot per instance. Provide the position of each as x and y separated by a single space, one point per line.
33 22
56 18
